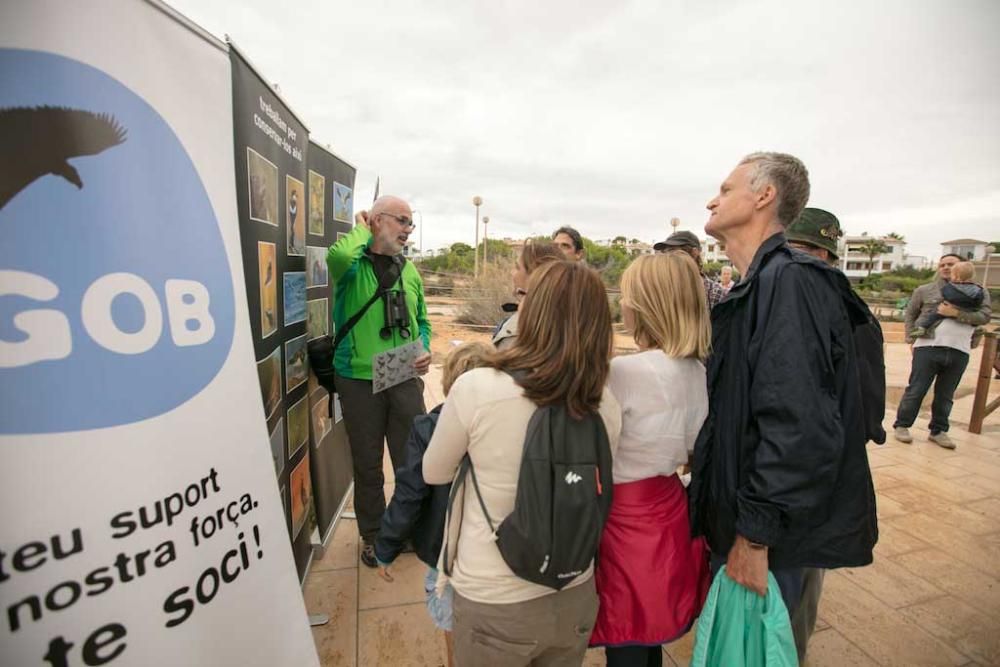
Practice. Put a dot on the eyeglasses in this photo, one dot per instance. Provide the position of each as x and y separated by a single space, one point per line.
402 220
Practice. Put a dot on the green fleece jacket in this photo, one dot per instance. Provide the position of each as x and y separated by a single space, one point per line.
354 282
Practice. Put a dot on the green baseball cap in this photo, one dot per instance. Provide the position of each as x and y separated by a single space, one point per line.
816 227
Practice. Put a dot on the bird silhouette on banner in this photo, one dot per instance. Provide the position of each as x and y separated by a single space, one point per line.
36 141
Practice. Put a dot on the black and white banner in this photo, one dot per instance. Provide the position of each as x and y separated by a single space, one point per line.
271 146
140 521
331 209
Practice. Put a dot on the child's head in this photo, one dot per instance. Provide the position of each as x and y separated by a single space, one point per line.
963 272
465 358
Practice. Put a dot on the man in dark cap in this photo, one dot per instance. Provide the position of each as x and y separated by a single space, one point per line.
689 243
816 232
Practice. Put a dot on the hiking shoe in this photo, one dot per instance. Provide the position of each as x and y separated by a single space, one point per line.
368 554
903 434
942 440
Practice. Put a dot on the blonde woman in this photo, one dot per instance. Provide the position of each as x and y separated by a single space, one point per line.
651 576
561 357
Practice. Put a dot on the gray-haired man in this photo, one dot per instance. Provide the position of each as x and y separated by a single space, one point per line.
780 478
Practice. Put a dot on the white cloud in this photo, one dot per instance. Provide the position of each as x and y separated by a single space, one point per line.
616 117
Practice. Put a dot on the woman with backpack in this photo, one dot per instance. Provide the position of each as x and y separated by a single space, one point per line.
560 358
652 578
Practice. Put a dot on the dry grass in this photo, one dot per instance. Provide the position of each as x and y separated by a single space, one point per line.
484 295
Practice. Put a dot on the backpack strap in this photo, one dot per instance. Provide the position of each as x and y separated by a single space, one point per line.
464 468
395 273
456 484
479 496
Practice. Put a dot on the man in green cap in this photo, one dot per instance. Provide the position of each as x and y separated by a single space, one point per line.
816 232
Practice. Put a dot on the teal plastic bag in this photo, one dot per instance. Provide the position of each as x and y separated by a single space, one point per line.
738 628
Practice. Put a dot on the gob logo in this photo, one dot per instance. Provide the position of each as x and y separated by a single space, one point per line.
116 300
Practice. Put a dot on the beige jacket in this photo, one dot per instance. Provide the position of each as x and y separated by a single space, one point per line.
486 415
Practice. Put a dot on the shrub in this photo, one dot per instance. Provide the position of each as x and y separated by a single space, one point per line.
484 295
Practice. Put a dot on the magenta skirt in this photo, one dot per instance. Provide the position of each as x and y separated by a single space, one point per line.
652 577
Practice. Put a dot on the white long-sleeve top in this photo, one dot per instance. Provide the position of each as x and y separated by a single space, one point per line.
664 402
487 415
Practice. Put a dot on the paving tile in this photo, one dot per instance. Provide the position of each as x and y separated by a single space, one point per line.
878 630
892 541
829 648
876 460
888 507
886 478
967 452
334 593
407 587
989 486
892 583
986 506
401 635
680 651
915 499
930 459
956 578
961 626
985 465
342 552
977 551
947 489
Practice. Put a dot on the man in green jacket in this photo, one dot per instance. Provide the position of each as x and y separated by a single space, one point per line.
366 260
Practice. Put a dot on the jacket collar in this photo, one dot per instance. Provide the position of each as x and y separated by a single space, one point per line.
771 245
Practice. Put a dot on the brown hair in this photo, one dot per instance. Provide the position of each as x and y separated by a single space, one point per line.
564 338
534 255
667 296
464 358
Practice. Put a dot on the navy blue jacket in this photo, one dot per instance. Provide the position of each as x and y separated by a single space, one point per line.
417 510
781 457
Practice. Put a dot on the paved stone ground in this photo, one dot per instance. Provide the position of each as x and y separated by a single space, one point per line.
932 597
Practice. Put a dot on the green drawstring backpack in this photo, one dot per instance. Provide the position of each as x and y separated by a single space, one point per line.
738 628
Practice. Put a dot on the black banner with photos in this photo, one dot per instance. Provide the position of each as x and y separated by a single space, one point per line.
330 190
271 172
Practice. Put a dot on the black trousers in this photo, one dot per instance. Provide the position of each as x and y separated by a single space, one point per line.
634 656
944 367
371 420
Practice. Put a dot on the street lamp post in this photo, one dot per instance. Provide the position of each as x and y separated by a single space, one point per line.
675 223
986 272
421 232
477 201
486 221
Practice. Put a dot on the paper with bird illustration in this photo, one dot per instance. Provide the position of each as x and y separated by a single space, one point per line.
395 366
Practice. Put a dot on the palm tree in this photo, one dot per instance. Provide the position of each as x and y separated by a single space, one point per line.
894 235
872 248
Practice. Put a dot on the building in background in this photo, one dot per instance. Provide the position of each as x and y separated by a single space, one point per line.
968 248
857 263
713 251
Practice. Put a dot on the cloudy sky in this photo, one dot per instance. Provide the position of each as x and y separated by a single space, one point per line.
617 116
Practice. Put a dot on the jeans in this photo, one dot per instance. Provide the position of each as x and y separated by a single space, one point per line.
440 608
944 367
372 420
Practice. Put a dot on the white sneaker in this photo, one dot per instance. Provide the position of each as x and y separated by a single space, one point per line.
942 440
903 434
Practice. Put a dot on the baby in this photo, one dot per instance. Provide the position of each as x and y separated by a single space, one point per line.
961 292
